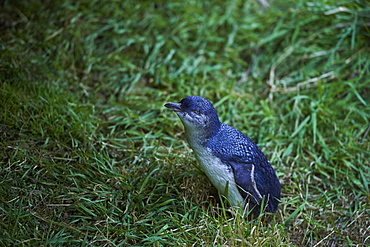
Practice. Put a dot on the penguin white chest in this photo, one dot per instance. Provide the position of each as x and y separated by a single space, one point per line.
220 175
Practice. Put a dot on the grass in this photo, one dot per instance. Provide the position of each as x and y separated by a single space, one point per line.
90 157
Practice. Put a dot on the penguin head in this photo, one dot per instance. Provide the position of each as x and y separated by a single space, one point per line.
197 114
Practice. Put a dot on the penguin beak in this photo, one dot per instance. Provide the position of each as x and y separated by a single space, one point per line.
174 106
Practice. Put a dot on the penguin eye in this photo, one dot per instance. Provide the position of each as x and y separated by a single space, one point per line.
197 112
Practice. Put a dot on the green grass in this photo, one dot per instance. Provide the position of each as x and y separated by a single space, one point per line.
90 157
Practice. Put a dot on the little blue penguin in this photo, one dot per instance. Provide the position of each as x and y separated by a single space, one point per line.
232 162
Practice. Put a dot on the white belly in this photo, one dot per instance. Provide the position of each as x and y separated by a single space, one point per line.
220 175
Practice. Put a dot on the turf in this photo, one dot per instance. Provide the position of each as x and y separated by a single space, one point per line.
90 157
